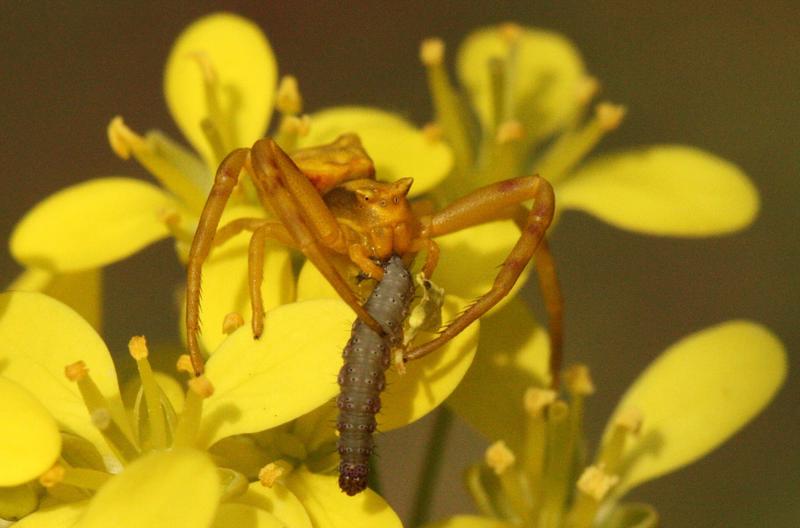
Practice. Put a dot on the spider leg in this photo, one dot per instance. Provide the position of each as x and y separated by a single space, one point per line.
499 200
305 216
225 180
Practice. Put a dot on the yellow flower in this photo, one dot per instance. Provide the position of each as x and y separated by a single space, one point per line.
107 465
220 85
691 399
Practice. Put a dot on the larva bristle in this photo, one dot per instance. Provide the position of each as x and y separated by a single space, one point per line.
367 355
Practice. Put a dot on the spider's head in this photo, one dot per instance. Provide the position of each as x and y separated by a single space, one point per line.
329 165
384 203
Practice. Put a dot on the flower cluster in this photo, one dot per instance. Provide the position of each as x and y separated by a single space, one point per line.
251 440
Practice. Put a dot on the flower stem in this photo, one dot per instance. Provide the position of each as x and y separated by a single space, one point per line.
430 466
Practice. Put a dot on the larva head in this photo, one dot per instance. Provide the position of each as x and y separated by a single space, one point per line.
329 165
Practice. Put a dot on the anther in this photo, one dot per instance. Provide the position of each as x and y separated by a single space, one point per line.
577 380
432 132
101 419
53 476
609 115
137 346
536 401
184 364
630 419
587 88
270 473
499 457
289 101
510 32
232 322
509 131
596 483
431 52
76 371
206 67
201 386
122 139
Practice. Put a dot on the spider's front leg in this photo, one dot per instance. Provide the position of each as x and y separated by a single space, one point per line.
502 200
224 182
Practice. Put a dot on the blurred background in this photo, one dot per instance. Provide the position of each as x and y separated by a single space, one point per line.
726 80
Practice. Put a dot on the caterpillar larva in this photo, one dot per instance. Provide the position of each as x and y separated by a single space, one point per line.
366 356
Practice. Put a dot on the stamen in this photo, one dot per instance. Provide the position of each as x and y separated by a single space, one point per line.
232 322
219 118
450 113
509 131
596 483
510 32
95 402
593 486
431 52
587 88
571 147
558 465
499 457
149 153
53 476
627 422
478 492
579 384
289 101
200 388
270 473
536 401
116 439
501 460
234 484
214 137
578 381
172 219
137 347
292 128
432 132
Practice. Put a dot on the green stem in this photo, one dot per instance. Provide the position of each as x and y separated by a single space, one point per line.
430 466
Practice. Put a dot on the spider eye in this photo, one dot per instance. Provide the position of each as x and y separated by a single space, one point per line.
395 200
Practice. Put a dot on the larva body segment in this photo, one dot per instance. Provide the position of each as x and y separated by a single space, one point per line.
366 356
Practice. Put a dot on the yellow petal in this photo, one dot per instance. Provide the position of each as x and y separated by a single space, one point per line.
329 507
29 439
61 516
631 515
513 356
398 149
545 72
244 68
470 259
81 291
232 515
278 501
256 381
226 290
663 190
91 224
430 380
697 394
469 521
170 489
39 336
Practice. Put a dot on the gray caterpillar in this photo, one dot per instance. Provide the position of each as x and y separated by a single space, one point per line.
366 356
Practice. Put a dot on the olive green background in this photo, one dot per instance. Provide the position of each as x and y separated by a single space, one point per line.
721 76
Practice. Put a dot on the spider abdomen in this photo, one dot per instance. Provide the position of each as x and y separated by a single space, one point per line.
366 356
